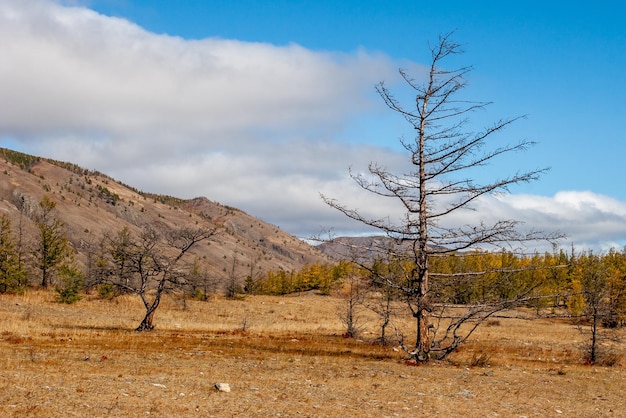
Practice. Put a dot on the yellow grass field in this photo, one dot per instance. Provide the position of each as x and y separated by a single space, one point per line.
282 357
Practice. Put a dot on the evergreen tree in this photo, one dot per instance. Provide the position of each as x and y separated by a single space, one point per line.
12 275
53 246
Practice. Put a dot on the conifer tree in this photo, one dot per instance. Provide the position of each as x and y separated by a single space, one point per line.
53 247
12 275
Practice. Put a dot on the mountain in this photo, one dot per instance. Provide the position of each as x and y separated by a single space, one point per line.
362 249
367 249
92 204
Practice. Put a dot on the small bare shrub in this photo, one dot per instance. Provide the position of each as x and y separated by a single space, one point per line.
608 359
480 359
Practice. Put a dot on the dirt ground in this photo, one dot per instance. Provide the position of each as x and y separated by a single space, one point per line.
282 357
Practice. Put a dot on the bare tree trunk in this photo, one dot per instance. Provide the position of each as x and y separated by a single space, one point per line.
20 234
44 277
232 287
593 353
386 316
353 295
147 324
422 344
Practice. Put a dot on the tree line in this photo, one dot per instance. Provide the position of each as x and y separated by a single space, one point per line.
49 254
471 287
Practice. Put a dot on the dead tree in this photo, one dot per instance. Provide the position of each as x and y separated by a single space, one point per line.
443 155
597 318
233 284
384 296
353 293
150 264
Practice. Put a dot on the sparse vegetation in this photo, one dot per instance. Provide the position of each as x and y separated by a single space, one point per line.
291 359
24 161
107 196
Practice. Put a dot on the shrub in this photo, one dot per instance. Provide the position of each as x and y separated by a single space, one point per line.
198 294
609 359
107 291
72 283
480 360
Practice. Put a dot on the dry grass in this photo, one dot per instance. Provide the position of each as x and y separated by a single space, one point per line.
281 357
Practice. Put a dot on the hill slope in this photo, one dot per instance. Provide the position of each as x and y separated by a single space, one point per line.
92 204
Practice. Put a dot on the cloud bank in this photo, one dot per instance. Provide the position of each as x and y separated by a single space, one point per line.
252 125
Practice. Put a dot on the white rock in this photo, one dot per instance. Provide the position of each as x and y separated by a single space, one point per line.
222 387
466 393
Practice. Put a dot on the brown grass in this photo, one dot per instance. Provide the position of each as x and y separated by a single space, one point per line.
281 357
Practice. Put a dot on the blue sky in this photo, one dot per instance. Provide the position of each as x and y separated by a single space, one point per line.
561 64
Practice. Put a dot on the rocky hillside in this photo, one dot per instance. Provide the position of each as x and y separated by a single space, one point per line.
361 249
92 204
366 249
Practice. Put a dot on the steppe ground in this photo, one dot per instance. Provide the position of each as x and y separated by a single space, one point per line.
281 356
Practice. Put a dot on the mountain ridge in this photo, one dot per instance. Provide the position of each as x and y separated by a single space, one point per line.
92 204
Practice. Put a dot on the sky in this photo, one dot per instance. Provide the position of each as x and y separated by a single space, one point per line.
265 105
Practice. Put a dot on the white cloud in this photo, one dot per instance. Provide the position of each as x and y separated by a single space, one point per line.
589 220
73 70
243 123
248 124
